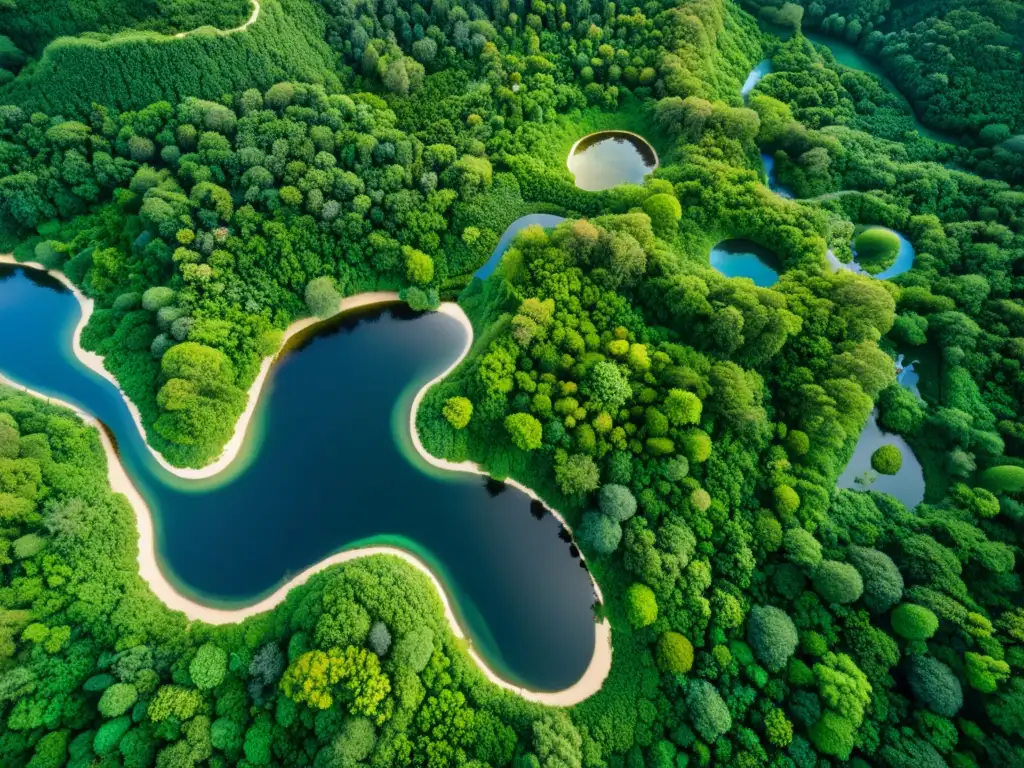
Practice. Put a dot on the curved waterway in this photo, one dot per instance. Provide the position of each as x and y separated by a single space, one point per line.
328 467
756 75
545 220
608 158
850 57
764 67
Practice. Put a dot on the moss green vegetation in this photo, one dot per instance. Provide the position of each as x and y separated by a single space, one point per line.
32 24
876 249
134 68
208 191
887 459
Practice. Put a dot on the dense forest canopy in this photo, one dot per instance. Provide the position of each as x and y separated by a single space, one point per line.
31 24
960 65
207 191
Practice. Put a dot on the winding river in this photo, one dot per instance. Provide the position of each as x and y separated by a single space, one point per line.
757 74
545 220
328 465
850 57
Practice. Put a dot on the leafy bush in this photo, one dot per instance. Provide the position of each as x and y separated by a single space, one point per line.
617 502
1004 479
117 699
876 248
772 635
837 582
322 298
599 533
641 605
935 686
883 582
914 622
209 666
674 653
708 711
801 547
458 411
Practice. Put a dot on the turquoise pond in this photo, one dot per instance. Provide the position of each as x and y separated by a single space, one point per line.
329 466
743 258
608 158
904 260
907 485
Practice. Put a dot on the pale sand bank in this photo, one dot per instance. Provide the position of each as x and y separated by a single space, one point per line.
225 32
232 448
600 664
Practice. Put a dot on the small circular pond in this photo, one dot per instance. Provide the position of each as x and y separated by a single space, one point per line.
744 258
606 159
873 254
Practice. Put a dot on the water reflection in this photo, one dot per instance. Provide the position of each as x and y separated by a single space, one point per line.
908 484
904 261
325 472
606 159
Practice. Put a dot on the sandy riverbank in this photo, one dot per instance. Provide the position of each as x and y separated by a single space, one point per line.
600 664
234 446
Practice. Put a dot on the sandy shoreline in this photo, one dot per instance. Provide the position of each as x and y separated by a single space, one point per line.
600 664
234 446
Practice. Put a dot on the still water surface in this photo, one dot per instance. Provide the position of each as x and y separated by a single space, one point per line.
743 258
757 74
545 220
849 56
609 158
330 467
904 260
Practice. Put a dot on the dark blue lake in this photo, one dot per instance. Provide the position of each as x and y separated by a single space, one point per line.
329 467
